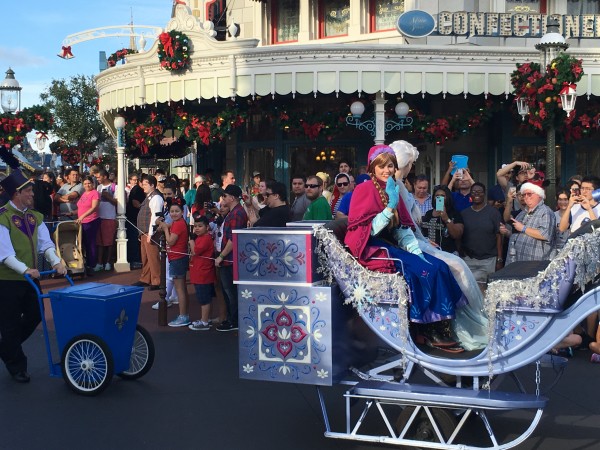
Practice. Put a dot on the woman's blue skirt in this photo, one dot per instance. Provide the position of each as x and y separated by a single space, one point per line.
434 292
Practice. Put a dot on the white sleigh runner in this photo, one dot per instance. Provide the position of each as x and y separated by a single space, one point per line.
529 314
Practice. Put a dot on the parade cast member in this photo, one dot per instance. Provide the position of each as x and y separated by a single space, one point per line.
23 235
470 325
379 225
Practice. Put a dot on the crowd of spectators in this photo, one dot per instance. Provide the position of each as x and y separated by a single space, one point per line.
485 227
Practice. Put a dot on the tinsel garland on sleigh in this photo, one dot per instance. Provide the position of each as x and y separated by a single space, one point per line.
365 289
362 288
542 290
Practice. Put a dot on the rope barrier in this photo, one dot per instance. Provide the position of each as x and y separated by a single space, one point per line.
142 233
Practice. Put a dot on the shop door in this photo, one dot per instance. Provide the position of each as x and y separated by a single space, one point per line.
261 159
308 160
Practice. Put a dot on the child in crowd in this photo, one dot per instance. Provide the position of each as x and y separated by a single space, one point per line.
176 236
202 271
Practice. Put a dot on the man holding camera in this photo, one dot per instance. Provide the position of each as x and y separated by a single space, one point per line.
582 206
533 229
150 210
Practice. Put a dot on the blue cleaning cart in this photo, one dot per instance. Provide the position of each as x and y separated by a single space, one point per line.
97 334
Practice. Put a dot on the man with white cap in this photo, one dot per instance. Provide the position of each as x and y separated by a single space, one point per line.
23 235
533 228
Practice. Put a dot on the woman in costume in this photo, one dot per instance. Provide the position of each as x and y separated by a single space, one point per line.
380 226
471 322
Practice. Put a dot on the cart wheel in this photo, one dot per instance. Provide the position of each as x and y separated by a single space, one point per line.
422 429
142 355
87 365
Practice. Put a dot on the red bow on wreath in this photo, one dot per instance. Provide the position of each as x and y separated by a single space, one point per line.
165 40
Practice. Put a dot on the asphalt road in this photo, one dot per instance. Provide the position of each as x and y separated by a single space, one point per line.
193 399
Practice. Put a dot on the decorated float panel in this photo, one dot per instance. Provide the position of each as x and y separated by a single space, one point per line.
275 256
293 327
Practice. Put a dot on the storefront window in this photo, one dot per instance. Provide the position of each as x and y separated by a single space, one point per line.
578 7
334 17
588 160
286 20
526 6
536 156
260 159
308 160
384 14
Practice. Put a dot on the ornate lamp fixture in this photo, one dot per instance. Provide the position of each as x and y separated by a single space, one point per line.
522 107
10 93
358 108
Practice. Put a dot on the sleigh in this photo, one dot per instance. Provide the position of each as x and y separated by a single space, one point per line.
310 314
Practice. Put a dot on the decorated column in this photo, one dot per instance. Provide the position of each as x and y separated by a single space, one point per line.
122 265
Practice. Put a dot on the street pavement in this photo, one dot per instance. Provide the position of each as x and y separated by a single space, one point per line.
192 398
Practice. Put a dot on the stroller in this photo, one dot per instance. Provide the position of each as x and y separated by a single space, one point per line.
69 241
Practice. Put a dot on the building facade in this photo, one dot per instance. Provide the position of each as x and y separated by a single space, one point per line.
294 67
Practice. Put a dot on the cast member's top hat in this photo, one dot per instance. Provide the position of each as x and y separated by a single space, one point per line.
14 182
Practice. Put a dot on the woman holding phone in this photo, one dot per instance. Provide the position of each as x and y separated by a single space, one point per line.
443 224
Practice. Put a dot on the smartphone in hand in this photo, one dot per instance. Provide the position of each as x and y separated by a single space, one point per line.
439 203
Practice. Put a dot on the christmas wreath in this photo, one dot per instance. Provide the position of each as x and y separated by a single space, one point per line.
174 50
119 55
14 127
542 92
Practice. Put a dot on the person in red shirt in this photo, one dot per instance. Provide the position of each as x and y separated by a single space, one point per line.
202 271
176 236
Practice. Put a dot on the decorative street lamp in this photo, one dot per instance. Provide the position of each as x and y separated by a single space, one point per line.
40 140
121 265
10 93
550 45
378 126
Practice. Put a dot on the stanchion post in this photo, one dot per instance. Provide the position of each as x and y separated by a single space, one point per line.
162 292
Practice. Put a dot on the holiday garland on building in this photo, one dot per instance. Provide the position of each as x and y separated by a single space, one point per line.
14 127
174 51
330 124
169 132
119 55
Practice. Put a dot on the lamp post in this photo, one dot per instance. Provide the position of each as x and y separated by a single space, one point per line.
122 265
10 93
378 126
550 45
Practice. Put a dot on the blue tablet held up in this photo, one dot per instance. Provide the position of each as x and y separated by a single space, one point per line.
462 161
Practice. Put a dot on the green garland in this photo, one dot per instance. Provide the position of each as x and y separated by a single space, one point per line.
174 51
119 55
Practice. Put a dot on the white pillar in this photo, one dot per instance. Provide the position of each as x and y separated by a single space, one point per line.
122 265
379 103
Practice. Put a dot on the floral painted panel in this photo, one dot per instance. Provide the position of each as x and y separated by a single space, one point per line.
286 333
269 257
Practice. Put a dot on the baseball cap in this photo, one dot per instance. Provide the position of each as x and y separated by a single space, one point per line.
256 173
233 190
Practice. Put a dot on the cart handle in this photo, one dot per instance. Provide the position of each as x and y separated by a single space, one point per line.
31 281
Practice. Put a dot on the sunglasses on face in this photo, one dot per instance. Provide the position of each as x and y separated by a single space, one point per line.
311 186
267 194
343 183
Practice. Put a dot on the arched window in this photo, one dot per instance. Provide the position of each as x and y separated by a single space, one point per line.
334 18
384 14
285 20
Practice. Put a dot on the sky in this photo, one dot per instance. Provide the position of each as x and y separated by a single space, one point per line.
33 32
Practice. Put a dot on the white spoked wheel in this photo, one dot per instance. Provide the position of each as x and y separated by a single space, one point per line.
87 365
142 355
